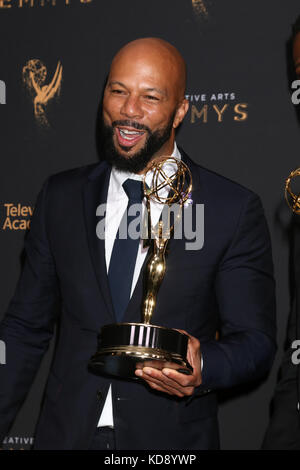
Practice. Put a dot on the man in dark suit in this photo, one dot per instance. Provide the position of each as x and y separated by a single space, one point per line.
226 286
283 430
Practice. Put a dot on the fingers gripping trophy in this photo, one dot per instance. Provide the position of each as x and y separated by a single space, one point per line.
124 347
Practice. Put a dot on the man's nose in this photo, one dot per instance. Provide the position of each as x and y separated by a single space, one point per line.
132 108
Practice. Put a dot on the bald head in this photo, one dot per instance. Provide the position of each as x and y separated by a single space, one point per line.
160 54
143 102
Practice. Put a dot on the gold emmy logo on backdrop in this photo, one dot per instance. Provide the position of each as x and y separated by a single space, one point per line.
34 75
200 8
292 199
123 347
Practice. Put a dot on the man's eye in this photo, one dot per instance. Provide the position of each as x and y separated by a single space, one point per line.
118 92
151 97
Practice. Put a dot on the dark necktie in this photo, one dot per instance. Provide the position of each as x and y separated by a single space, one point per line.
124 253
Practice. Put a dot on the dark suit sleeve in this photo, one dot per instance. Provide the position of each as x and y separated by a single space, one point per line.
245 293
29 322
283 431
284 427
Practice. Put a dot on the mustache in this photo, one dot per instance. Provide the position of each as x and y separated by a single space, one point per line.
135 125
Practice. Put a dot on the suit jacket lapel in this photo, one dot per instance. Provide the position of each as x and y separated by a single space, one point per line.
94 194
194 170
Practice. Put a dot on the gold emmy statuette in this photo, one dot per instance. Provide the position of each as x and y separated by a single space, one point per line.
292 199
123 347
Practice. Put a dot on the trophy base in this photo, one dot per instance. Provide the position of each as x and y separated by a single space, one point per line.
125 347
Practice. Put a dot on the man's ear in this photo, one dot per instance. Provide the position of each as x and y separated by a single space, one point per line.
182 109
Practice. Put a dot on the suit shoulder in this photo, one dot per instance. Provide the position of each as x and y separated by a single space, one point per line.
212 182
221 186
219 193
73 175
68 185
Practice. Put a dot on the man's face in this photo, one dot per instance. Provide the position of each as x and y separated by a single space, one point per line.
140 109
296 53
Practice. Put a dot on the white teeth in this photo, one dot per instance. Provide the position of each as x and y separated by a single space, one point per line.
124 133
130 132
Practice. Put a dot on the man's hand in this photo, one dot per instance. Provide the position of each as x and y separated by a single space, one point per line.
172 382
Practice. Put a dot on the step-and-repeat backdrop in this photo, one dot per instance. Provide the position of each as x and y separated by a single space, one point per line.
54 56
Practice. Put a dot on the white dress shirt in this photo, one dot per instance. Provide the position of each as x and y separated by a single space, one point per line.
117 201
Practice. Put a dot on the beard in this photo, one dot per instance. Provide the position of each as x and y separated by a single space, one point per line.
137 162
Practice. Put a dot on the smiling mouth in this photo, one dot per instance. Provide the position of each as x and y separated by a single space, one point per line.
128 137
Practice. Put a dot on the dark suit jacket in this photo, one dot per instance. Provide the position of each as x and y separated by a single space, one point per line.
283 430
227 286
